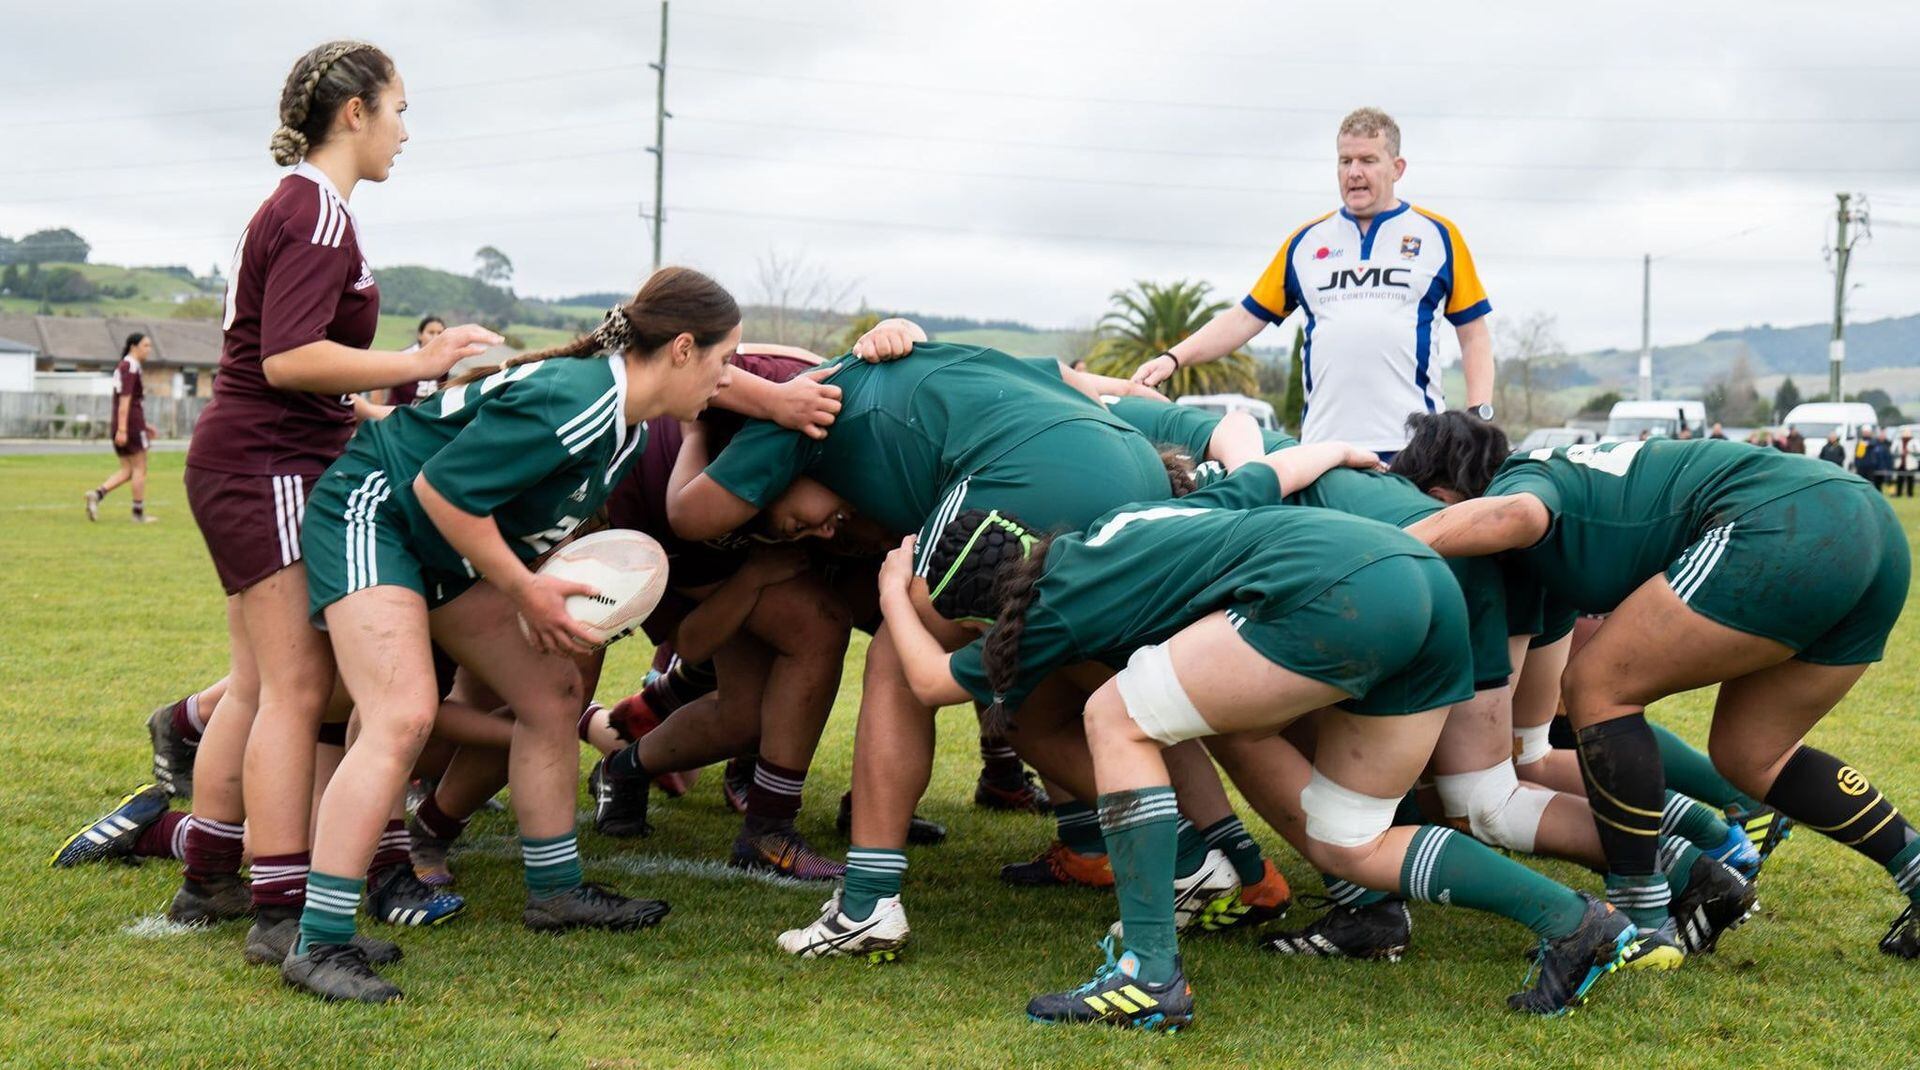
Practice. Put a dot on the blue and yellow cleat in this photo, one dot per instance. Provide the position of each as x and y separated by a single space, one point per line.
113 835
397 896
1737 852
1568 967
1766 829
1117 996
1657 949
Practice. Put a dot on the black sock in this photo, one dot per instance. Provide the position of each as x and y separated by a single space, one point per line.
624 763
102 491
1626 787
679 685
1836 800
139 507
999 764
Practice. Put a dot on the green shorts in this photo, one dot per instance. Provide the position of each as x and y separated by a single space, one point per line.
1393 635
1062 479
1484 588
353 537
1823 570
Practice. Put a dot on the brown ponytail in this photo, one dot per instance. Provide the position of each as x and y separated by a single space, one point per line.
320 83
1000 652
1180 468
672 302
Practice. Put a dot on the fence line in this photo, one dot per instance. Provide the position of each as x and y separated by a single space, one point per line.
90 416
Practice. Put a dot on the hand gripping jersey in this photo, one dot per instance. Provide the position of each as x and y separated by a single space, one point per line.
1371 301
907 431
1624 511
298 276
1145 571
537 447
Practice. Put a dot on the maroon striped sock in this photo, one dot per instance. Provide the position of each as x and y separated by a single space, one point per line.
437 822
775 794
212 849
165 838
1000 764
182 714
393 849
586 721
281 880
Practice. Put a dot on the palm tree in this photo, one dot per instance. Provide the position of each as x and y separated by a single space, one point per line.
1150 317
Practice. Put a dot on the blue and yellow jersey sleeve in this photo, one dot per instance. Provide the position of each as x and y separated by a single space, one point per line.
1277 292
1466 297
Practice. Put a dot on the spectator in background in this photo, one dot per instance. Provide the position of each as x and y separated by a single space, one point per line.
1877 460
1716 431
1796 442
1833 451
408 393
1906 463
129 429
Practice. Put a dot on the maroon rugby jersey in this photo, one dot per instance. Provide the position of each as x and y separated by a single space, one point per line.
298 276
129 383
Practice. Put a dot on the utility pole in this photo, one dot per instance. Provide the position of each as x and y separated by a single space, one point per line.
1646 327
1842 253
659 146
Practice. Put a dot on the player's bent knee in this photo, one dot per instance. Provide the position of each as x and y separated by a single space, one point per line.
1500 810
1343 826
1155 701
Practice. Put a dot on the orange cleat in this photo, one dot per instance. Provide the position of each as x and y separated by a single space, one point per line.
1255 903
1061 865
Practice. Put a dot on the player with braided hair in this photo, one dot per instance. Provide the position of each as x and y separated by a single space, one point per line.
1223 615
301 310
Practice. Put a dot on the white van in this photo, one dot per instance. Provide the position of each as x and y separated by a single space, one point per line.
1225 404
1660 418
1815 420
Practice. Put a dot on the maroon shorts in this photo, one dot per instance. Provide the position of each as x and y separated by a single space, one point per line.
251 524
136 443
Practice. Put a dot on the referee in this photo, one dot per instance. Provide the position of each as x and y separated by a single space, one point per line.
1372 278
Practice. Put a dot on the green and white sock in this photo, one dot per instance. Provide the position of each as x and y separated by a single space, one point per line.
552 865
1079 827
1443 866
1645 899
1345 893
1141 836
331 905
873 874
1230 837
1191 849
1699 823
1905 867
1677 856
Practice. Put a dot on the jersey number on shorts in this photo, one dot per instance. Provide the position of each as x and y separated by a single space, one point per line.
552 537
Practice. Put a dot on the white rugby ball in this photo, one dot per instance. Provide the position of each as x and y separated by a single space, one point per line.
627 568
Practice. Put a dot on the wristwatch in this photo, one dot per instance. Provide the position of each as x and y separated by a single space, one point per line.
1484 410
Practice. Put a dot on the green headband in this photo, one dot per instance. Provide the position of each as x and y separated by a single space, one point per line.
993 519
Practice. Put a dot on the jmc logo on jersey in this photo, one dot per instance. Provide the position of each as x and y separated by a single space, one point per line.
1351 278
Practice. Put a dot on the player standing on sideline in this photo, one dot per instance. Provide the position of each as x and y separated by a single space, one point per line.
407 393
129 429
302 307
1371 277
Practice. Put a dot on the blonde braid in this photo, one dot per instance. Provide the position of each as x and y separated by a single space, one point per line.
288 145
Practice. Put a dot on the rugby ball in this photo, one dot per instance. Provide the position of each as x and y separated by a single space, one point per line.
627 568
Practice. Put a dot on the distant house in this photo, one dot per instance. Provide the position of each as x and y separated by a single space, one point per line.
186 353
17 361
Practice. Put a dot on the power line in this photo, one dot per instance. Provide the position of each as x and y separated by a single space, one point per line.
1298 109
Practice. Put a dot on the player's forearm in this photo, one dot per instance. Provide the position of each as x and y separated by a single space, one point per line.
1299 466
325 367
476 538
126 410
1484 526
747 394
923 659
1476 361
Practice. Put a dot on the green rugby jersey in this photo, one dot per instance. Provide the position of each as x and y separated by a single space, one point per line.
1623 511
1188 427
537 447
907 429
1145 571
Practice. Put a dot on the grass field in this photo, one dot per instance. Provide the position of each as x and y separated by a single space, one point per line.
104 621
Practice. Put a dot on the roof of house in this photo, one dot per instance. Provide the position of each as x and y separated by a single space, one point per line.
97 339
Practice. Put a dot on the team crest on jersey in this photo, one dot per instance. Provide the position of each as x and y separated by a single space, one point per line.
366 277
1409 247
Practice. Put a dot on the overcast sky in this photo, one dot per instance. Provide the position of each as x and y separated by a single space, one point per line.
1019 160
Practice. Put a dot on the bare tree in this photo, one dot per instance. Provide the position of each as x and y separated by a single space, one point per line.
801 302
1520 346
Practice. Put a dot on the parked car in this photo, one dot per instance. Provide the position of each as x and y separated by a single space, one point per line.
1659 418
1815 420
1224 404
1547 438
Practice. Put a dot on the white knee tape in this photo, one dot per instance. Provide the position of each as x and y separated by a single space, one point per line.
1342 817
1499 809
1530 744
1156 701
